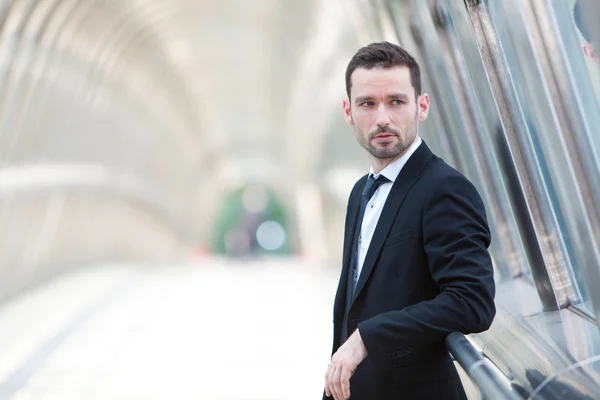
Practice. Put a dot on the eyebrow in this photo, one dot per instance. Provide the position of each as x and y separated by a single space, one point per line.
399 96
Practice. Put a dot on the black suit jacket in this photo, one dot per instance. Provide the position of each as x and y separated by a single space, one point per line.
426 274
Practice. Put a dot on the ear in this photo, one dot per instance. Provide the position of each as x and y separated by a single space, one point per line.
347 112
423 104
591 52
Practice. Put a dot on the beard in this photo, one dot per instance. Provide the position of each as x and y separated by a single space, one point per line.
389 151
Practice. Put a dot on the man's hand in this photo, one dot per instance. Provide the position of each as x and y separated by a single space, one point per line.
342 367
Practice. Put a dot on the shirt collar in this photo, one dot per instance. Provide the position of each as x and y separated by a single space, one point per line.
393 169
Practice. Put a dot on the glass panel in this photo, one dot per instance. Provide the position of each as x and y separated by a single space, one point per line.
576 64
531 49
500 32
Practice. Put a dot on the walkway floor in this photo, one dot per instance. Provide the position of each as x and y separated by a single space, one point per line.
210 331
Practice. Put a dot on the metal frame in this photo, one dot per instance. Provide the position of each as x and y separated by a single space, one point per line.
489 380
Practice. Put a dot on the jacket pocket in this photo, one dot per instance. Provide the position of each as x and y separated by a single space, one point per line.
400 237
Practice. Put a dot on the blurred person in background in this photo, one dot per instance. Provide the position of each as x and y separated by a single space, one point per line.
415 262
589 47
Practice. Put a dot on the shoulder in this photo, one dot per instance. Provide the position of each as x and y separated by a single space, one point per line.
442 179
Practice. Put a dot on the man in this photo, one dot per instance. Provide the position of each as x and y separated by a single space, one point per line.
415 264
581 6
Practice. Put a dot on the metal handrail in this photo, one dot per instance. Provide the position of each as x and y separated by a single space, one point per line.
485 377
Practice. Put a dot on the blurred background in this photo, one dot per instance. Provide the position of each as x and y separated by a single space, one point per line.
174 177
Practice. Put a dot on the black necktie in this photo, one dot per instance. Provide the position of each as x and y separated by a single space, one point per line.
368 191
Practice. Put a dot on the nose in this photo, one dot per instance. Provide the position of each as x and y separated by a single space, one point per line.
382 117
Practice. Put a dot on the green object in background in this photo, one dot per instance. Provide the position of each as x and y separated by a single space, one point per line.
252 222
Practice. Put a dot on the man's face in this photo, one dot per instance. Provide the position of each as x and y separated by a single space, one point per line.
384 111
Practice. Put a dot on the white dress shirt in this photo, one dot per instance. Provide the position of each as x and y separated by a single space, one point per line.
375 205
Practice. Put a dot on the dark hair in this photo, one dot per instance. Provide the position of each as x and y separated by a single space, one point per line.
580 21
384 55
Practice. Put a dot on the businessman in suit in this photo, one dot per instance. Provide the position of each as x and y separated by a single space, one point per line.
415 260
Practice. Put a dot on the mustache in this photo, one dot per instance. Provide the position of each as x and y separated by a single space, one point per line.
383 129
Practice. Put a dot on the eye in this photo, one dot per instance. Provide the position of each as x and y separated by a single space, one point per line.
397 102
367 104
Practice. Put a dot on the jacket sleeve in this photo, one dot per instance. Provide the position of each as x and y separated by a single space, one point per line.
455 239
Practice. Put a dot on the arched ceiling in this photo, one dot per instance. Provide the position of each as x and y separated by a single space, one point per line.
272 79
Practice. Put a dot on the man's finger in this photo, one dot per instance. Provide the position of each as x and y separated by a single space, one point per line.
330 381
337 389
345 382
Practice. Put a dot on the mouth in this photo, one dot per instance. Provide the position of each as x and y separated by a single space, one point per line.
384 137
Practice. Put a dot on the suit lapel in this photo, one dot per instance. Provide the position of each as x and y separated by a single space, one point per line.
408 176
